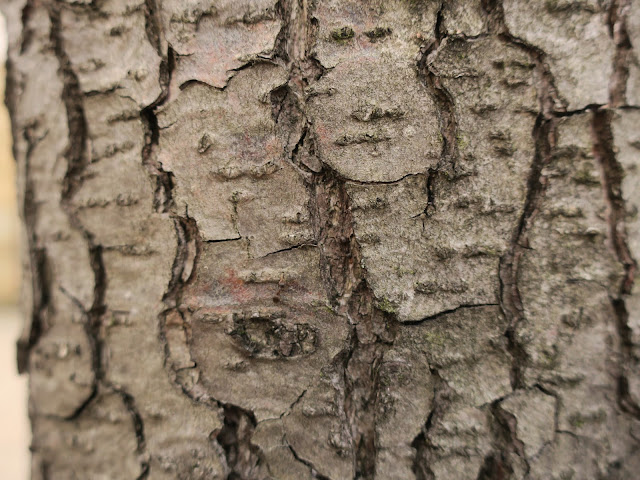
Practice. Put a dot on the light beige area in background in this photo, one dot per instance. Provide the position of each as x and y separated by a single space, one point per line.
14 427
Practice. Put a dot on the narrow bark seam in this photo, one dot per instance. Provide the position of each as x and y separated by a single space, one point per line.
231 440
617 18
77 160
422 443
612 173
341 259
38 264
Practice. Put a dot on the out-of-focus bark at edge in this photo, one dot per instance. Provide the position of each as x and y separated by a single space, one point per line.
14 437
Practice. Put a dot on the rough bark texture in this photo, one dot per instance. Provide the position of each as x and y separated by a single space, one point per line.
332 239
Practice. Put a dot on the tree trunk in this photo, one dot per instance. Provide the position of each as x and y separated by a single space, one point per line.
332 239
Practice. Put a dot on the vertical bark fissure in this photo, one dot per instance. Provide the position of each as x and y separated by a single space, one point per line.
544 138
612 173
162 195
446 111
38 264
509 265
443 99
77 160
422 443
27 31
500 462
78 157
617 18
241 457
341 259
498 465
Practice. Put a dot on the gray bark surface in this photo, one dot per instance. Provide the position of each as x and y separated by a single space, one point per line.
332 239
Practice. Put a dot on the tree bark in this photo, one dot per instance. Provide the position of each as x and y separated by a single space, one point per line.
332 239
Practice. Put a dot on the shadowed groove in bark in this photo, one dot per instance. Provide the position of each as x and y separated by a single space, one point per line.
422 443
152 26
506 440
544 137
242 458
78 157
499 463
340 257
138 427
162 195
77 160
617 18
551 104
612 173
77 154
27 31
509 266
442 97
38 263
445 106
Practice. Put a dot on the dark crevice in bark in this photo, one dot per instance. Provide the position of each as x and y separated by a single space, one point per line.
77 155
592 107
77 160
185 260
544 137
444 313
288 249
445 106
372 329
550 102
499 464
40 282
12 91
340 257
612 173
507 447
446 112
509 266
243 459
612 176
495 467
551 393
164 181
221 240
27 31
93 325
628 362
422 443
38 263
314 472
138 427
152 25
617 18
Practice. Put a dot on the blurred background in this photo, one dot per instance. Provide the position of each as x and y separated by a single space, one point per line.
14 431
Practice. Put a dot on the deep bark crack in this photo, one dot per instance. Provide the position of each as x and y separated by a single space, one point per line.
341 259
617 19
78 157
242 459
38 264
612 173
422 443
